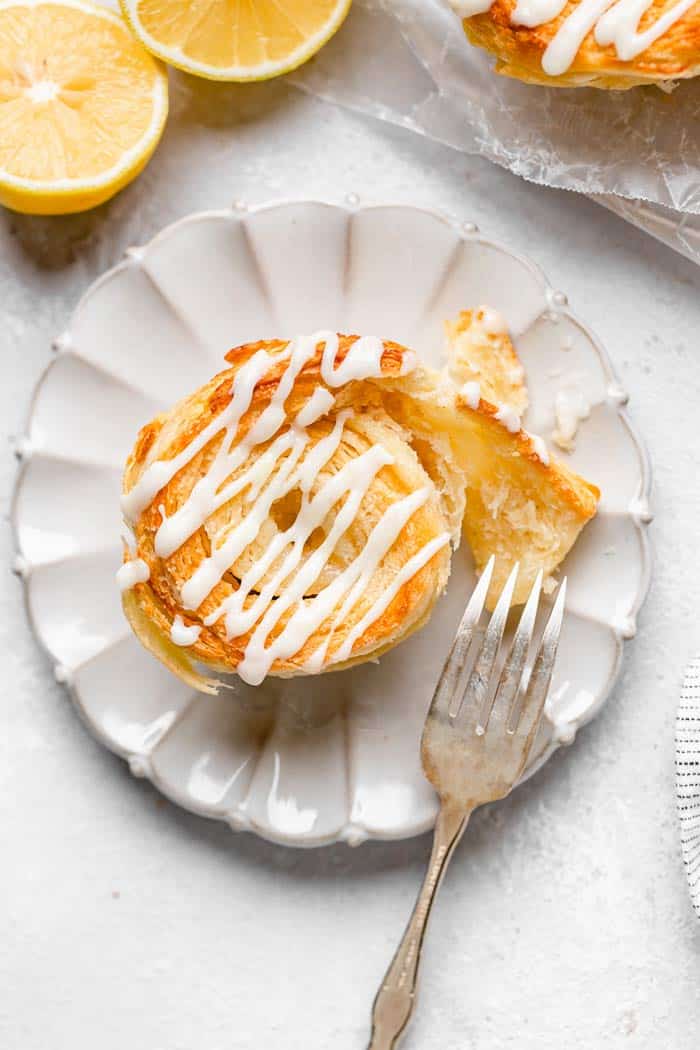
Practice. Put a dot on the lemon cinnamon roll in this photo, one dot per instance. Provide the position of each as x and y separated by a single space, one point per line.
286 522
295 514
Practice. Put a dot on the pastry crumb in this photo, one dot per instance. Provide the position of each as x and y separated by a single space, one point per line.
550 585
570 409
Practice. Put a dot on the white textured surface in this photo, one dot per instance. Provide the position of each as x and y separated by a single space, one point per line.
565 916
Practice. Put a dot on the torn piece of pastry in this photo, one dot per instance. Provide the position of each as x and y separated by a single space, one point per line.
479 350
523 505
295 515
616 44
514 509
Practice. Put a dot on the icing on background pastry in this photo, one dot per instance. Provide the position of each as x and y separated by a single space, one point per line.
604 43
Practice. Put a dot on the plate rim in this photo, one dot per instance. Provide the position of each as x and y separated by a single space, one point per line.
641 515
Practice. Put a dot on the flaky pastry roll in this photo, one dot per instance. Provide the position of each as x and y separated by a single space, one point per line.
295 515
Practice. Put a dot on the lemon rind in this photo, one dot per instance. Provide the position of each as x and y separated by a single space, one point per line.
235 74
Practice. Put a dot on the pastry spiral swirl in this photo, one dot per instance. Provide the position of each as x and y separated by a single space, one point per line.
286 521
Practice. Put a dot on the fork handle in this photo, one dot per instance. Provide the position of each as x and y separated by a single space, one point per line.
396 997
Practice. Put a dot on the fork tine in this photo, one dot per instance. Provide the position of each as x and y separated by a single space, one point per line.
478 685
509 684
451 672
527 719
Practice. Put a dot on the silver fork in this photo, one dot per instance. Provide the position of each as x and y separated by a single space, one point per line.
474 749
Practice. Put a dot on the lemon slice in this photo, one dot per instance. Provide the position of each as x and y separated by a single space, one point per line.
235 39
82 105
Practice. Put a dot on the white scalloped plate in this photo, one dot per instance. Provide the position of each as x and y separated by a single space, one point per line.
306 761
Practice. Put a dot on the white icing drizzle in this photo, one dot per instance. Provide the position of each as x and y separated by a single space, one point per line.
536 12
571 407
490 321
363 360
318 405
616 22
282 579
131 573
564 45
409 570
509 417
181 634
540 447
471 392
467 8
619 26
379 541
160 473
129 539
307 618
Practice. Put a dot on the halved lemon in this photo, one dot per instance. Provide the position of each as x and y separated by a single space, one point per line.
235 39
82 105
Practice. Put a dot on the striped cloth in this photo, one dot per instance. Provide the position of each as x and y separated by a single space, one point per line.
688 777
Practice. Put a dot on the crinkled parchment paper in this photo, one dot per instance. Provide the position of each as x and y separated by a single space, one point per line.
408 61
679 230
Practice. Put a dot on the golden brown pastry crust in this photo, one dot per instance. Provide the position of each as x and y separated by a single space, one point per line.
518 507
519 49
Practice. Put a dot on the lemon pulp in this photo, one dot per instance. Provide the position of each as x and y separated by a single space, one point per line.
82 105
235 39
